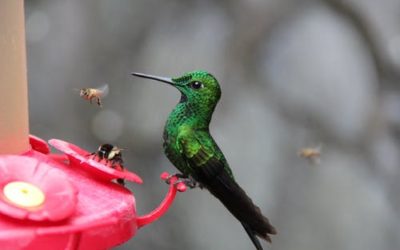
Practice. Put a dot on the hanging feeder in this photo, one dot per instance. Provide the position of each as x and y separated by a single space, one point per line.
68 201
55 201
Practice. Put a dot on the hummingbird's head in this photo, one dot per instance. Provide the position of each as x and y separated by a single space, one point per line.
197 87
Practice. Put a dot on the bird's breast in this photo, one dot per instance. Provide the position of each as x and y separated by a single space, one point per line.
172 152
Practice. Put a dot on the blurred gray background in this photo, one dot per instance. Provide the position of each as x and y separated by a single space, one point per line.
294 74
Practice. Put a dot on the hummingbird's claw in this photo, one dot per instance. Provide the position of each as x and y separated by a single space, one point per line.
188 181
178 176
191 183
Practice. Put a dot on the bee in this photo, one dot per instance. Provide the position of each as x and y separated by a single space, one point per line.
313 154
94 93
112 156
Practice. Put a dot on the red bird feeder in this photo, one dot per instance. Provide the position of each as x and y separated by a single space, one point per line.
67 201
55 201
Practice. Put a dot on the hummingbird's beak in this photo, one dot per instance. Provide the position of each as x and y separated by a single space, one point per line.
157 78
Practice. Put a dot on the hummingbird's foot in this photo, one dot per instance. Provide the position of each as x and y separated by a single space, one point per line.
190 182
178 176
187 180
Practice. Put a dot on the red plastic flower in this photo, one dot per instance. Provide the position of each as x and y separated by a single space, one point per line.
34 190
80 157
38 144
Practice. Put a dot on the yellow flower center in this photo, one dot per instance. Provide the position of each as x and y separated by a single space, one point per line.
23 194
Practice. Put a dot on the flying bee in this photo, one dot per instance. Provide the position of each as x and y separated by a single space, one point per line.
112 155
94 93
313 154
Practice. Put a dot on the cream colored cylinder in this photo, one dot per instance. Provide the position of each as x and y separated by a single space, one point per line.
14 126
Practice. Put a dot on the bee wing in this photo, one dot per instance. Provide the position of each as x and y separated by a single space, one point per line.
103 90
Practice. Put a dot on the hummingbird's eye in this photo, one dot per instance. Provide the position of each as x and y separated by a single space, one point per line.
196 85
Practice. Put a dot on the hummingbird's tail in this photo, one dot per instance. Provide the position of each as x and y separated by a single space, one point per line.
241 206
253 237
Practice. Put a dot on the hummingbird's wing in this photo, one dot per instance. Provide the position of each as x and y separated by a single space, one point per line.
209 167
202 154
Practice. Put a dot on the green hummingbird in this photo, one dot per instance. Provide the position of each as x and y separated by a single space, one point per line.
190 147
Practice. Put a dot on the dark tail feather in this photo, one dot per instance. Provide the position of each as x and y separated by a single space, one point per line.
241 206
252 236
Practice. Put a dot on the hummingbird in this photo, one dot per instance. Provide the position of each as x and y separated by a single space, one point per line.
190 147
